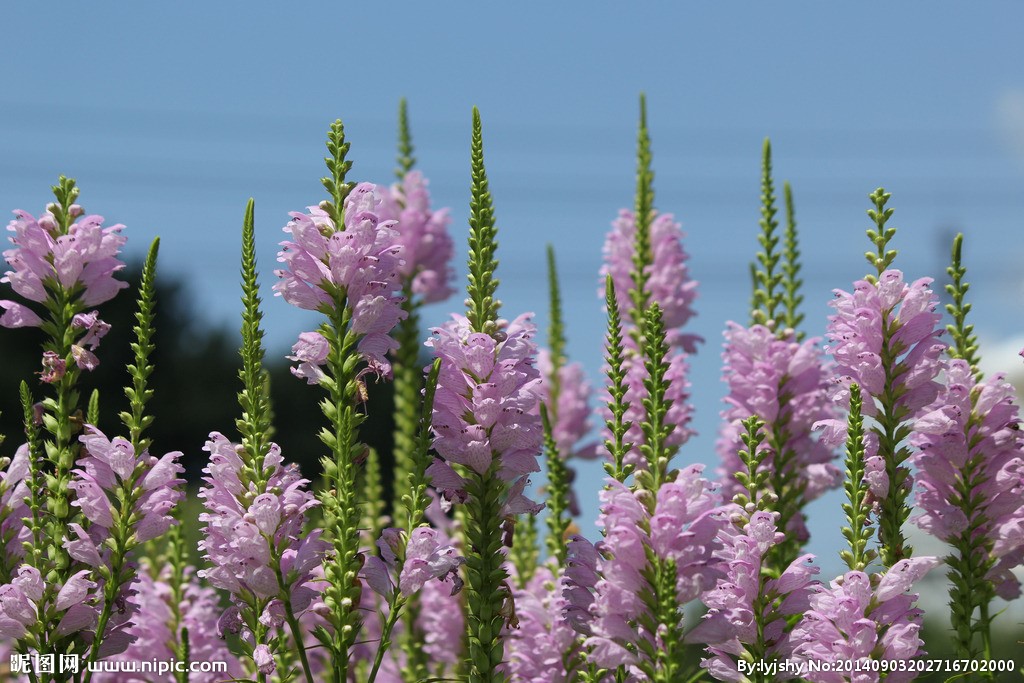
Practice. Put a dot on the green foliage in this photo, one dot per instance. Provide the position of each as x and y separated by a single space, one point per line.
858 531
338 166
416 499
558 517
487 591
615 356
371 499
755 479
483 307
893 425
965 342
882 257
643 208
768 281
791 280
254 424
556 330
654 427
406 161
407 385
66 193
135 419
525 554
558 486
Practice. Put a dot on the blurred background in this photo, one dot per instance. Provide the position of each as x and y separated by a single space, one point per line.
170 119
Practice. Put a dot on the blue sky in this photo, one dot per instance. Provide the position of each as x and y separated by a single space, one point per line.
171 118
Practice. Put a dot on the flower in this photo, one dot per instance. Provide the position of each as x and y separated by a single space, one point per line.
44 259
572 410
684 529
238 535
677 398
359 264
13 508
18 602
783 382
423 234
740 607
579 582
54 368
442 623
978 423
859 617
310 351
110 462
668 280
485 409
536 651
428 554
151 629
888 318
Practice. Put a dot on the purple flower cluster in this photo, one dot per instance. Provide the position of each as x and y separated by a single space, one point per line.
740 607
152 629
96 483
887 317
860 617
537 649
75 602
668 279
423 234
360 263
971 420
485 408
572 410
684 528
245 540
428 555
81 262
668 285
785 383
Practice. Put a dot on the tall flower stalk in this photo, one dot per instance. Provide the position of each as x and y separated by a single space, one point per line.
119 481
645 260
343 260
773 375
637 626
970 461
426 276
256 510
486 425
884 337
565 412
63 262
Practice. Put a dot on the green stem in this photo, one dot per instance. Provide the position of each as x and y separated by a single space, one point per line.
408 382
341 504
486 578
296 629
394 610
558 518
643 207
617 446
